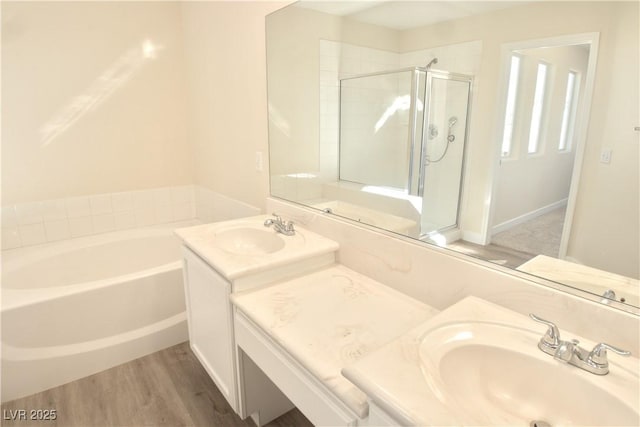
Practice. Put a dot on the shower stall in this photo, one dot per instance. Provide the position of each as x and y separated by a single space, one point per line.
405 131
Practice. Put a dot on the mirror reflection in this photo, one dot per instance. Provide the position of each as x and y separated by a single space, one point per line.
502 130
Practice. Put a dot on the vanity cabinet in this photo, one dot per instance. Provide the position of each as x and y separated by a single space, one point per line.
235 256
210 321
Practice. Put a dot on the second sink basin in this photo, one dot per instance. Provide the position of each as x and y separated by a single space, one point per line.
244 247
495 372
249 241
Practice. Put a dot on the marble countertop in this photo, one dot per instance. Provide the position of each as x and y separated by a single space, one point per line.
584 277
396 378
302 245
329 319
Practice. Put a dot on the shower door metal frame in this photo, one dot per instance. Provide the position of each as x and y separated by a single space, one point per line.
414 150
444 75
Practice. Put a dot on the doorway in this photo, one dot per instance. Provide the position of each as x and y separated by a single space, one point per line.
546 96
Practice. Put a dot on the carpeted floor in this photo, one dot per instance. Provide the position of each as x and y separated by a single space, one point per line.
540 235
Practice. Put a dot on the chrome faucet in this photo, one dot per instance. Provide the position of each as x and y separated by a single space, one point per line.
594 361
607 296
280 225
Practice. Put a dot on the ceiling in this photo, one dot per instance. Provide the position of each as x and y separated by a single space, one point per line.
404 15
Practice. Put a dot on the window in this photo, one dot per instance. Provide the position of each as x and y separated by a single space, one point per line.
569 112
510 110
538 108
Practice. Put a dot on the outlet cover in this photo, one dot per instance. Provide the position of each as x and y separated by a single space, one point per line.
259 162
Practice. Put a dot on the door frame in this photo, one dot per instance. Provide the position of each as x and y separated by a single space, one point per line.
580 131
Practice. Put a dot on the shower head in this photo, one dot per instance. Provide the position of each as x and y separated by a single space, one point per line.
452 121
433 61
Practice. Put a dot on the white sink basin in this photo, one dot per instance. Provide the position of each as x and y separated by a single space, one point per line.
244 246
494 373
477 363
249 241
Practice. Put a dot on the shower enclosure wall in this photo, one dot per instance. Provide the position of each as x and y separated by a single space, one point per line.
404 131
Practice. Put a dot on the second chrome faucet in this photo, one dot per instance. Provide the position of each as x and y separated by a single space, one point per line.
280 225
594 361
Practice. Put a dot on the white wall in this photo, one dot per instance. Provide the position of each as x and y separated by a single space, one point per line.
606 227
227 99
83 110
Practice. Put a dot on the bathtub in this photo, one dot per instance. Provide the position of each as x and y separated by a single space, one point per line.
80 306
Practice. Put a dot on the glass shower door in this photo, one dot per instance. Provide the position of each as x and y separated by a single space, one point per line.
444 137
376 128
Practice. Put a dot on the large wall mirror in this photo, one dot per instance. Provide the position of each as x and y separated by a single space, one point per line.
507 131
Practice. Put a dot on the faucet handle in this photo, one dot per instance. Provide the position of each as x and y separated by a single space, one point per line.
599 353
551 339
566 350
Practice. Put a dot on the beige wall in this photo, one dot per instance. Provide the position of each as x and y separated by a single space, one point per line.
294 126
134 137
196 113
227 99
294 76
83 110
617 24
606 227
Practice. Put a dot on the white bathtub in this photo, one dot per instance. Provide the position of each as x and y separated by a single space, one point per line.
77 307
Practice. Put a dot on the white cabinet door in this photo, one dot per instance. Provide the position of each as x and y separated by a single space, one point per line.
210 322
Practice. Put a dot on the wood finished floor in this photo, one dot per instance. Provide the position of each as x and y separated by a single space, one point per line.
167 388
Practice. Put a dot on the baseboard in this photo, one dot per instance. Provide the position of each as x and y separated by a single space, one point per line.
506 225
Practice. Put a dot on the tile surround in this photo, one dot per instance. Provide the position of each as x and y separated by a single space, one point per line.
53 220
100 204
32 234
77 207
57 230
